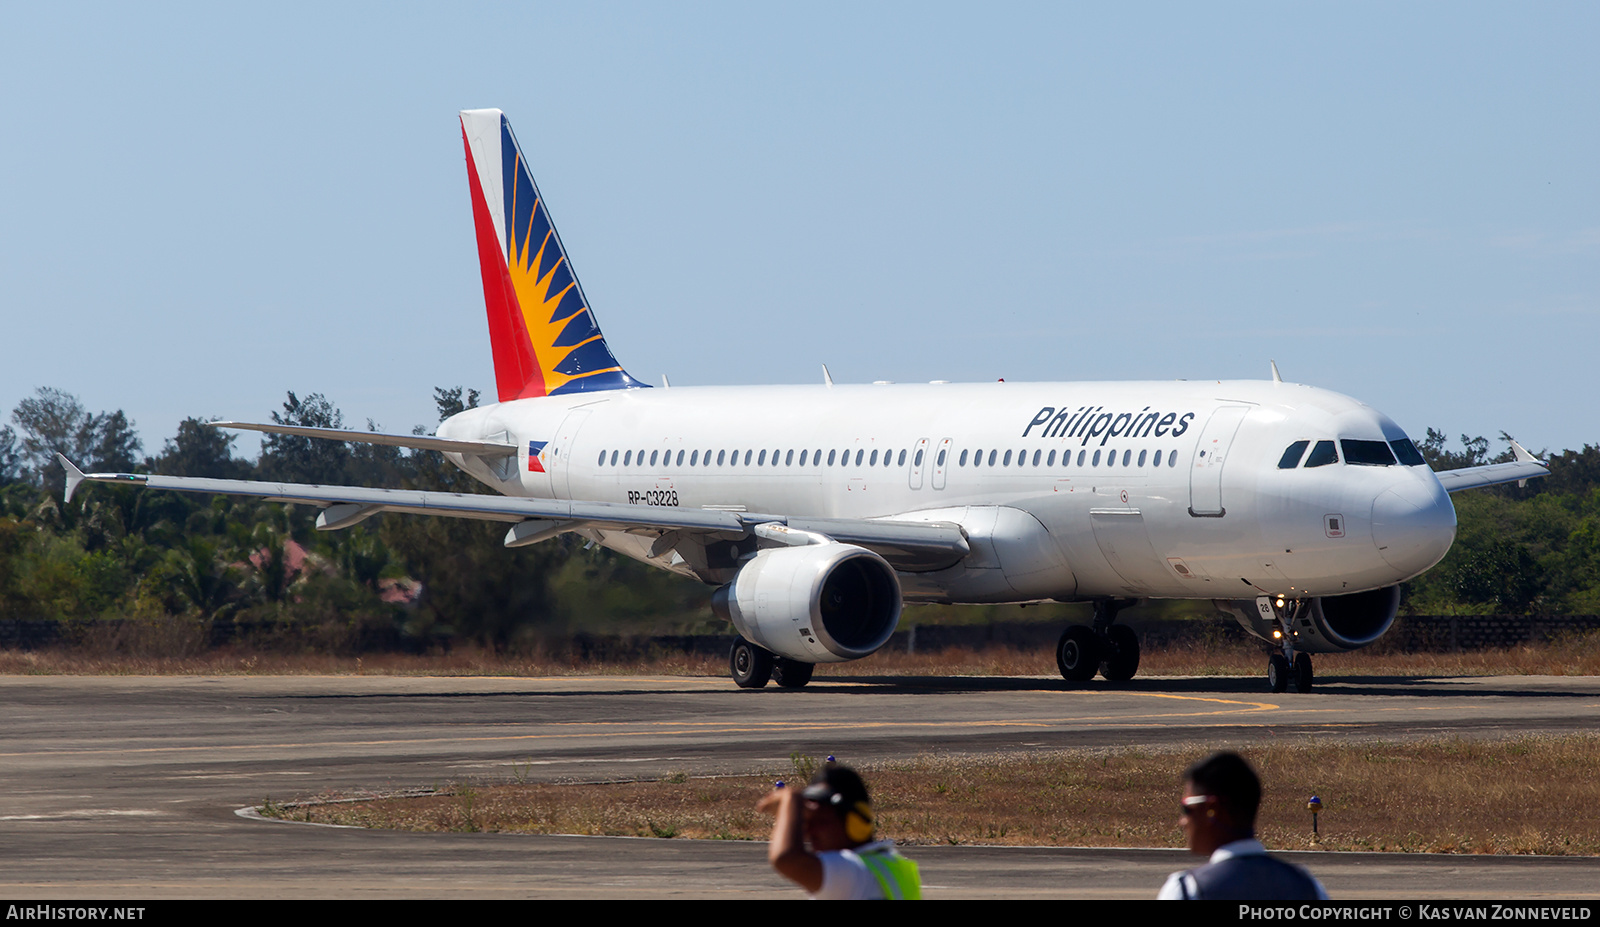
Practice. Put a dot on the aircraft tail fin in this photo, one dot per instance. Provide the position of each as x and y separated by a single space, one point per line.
544 336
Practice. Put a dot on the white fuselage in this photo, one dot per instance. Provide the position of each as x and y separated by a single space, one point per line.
1065 490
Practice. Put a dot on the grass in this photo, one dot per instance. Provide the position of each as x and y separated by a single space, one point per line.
1436 796
1209 655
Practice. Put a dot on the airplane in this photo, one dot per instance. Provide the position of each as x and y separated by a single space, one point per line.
818 511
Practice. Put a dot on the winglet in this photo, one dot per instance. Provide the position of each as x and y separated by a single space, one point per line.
1276 377
74 476
1522 454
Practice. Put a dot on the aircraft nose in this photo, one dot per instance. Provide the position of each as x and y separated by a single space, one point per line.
1413 525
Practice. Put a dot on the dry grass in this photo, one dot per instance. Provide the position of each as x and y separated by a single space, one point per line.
1210 656
1440 796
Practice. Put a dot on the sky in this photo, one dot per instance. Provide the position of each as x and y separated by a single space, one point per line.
204 206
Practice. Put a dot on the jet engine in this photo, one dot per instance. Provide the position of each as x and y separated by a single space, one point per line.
819 603
1325 624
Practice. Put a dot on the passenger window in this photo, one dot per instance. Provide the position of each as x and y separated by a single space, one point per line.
977 458
1367 453
917 461
789 458
1322 455
1172 458
831 456
1036 455
602 459
859 454
680 458
940 461
653 455
1007 461
963 460
1080 457
902 458
762 460
627 459
1141 458
1127 455
614 457
694 459
873 460
1291 456
1093 461
992 456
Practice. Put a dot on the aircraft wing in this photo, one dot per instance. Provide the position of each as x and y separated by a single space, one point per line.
905 544
1523 468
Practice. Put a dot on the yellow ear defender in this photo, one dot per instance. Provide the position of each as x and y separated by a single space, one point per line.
858 822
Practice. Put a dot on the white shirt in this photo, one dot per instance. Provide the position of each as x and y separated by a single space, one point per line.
1173 889
846 878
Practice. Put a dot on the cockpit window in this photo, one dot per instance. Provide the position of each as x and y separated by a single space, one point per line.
1367 453
1322 455
1291 457
1408 453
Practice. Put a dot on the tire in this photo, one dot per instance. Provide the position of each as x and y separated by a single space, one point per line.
750 665
1302 672
1278 673
791 674
1121 658
1078 654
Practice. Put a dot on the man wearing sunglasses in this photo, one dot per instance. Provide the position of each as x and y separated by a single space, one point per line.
1218 816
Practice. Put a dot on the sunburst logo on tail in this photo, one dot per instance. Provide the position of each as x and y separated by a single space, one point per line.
545 338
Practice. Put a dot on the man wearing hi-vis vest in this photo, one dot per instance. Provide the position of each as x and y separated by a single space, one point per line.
823 841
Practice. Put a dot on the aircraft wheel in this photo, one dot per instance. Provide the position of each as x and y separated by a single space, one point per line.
1122 656
1302 672
1278 673
751 666
791 674
1078 653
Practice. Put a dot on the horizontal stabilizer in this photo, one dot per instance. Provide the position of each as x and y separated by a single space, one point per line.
419 442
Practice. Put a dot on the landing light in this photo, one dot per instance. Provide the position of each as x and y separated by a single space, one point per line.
1276 633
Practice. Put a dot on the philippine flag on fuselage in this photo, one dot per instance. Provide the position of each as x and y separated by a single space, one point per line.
535 451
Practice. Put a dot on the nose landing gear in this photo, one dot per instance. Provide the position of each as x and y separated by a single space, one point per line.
1288 667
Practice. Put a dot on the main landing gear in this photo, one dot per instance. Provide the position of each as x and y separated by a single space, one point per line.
1108 648
1288 667
753 666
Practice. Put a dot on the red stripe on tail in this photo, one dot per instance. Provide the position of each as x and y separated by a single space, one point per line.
516 369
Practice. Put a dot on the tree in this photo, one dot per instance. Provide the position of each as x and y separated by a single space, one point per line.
294 459
449 401
11 466
199 450
53 420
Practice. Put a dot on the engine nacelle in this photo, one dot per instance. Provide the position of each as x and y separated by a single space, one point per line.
1326 624
820 603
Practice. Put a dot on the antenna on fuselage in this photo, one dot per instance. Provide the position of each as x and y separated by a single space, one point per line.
1276 378
665 383
827 378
